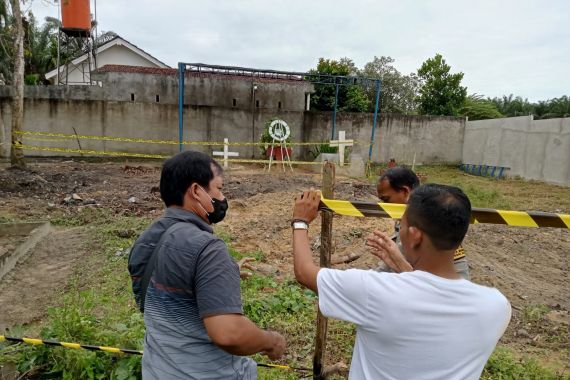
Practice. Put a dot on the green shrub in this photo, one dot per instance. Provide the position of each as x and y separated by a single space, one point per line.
76 322
31 79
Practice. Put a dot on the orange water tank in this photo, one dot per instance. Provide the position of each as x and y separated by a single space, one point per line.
76 17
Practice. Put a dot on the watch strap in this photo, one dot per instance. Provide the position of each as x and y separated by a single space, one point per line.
300 225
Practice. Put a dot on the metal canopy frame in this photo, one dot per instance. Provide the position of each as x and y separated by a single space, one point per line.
314 78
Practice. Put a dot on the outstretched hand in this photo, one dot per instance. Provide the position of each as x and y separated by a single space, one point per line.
387 250
307 206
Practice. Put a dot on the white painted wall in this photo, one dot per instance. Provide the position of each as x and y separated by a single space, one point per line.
121 55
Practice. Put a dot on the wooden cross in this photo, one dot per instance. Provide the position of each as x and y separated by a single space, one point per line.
342 143
226 153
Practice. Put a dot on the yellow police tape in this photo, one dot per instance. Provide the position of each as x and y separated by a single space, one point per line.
94 152
478 215
46 139
144 155
114 350
149 141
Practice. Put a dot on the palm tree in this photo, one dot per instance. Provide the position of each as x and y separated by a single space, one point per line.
40 47
476 107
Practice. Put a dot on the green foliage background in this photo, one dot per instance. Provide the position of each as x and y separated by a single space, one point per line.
441 92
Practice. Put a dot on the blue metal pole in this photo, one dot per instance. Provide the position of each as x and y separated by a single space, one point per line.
375 120
181 70
334 112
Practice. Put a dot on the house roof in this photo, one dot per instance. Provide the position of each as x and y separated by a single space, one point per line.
116 40
137 70
193 74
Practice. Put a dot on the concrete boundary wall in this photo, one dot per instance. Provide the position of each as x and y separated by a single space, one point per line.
533 149
149 121
431 139
86 110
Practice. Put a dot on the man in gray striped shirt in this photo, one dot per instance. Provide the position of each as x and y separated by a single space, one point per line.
195 327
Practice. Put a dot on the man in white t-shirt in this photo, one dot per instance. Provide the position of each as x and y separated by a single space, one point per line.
424 323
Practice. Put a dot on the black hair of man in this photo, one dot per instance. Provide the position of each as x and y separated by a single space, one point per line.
181 171
400 177
441 212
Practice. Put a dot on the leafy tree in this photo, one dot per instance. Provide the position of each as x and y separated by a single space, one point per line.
350 98
399 92
356 100
477 108
441 92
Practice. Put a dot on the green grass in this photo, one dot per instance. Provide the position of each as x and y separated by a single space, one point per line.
97 308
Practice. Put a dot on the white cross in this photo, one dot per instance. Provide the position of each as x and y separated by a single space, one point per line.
226 153
341 143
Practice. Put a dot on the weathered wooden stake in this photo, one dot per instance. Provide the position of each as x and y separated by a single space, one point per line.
325 262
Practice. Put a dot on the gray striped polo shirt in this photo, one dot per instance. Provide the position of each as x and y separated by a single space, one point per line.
194 277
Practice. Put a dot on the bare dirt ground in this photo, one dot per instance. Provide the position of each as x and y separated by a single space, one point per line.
530 266
8 244
28 290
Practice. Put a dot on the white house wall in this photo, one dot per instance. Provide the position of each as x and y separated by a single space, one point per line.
120 55
115 55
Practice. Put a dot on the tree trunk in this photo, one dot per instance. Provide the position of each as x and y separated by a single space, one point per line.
16 152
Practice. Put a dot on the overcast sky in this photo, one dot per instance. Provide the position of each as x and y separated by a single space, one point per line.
502 46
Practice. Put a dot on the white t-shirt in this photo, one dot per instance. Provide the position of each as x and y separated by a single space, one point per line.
415 325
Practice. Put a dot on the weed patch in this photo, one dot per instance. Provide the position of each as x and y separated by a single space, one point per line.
504 365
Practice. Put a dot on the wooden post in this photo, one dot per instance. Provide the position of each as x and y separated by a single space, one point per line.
325 262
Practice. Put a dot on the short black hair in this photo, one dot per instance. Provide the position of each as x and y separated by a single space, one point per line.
400 177
181 171
442 212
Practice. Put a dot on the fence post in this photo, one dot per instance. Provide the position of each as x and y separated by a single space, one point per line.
325 262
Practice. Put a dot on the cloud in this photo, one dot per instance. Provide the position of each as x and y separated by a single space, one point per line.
504 47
